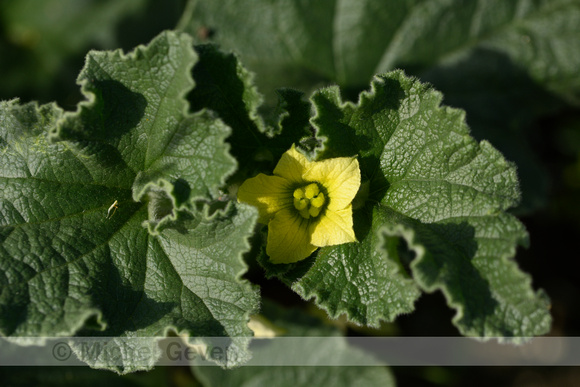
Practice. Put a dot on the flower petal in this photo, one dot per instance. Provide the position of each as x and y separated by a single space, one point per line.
269 194
292 165
341 178
333 228
288 237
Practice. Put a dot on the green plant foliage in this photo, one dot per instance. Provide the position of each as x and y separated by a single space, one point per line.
119 219
349 42
295 323
435 212
71 262
227 88
504 61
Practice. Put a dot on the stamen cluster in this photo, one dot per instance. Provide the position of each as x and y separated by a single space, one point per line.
309 200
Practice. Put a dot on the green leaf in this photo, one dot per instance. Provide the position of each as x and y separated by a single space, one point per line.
361 280
294 43
195 286
136 120
71 263
226 87
442 195
286 43
295 323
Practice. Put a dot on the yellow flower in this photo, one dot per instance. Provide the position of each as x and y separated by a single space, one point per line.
305 204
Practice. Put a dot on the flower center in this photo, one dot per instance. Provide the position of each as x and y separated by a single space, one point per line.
308 200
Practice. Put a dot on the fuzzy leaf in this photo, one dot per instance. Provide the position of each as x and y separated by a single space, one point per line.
71 262
435 208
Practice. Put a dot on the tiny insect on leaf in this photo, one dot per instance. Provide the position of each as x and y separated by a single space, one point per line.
113 208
